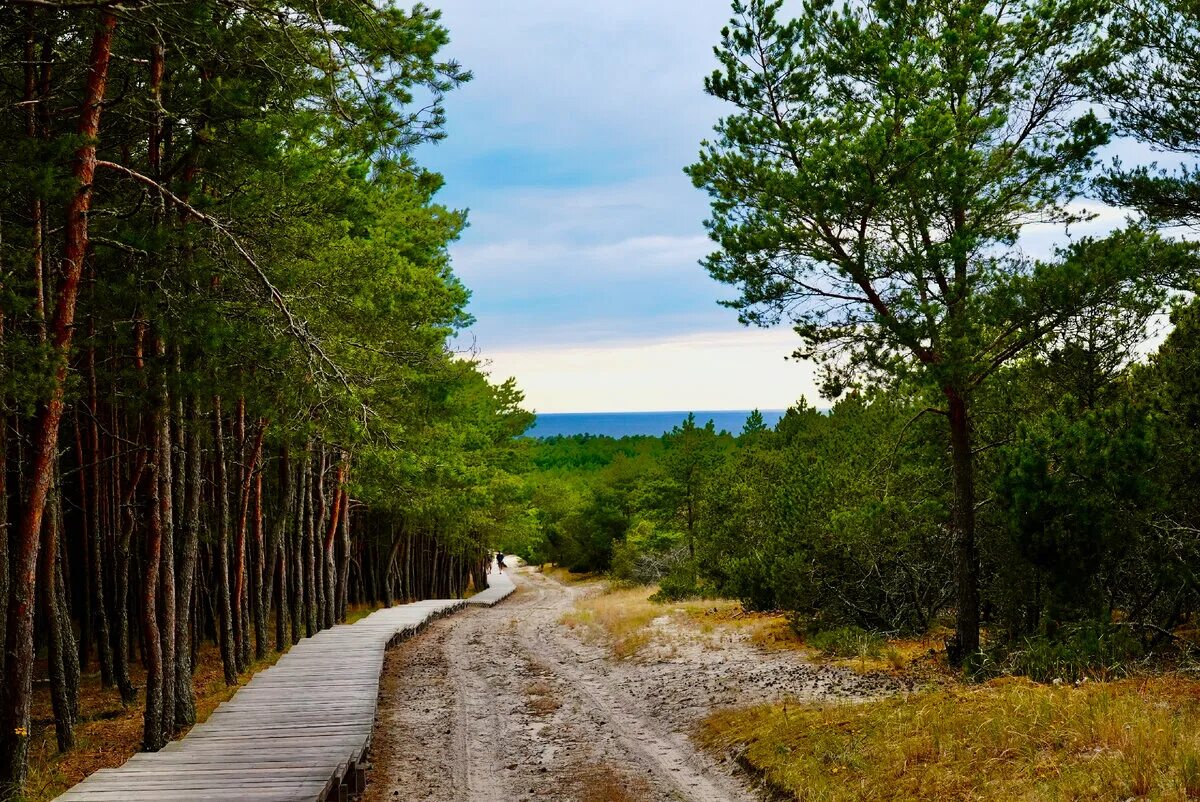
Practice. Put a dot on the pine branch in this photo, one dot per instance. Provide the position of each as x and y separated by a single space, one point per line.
298 327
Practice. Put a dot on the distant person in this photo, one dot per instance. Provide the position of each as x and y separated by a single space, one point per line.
500 566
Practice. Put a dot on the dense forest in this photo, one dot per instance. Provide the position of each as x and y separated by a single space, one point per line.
229 407
1012 445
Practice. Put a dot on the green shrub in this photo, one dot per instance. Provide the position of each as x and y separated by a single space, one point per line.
1095 650
849 641
681 584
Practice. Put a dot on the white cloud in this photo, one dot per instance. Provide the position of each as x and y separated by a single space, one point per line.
740 369
545 259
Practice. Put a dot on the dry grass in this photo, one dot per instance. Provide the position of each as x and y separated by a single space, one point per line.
603 783
1007 740
629 622
561 574
543 698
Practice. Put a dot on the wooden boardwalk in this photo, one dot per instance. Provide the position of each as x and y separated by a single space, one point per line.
298 731
499 588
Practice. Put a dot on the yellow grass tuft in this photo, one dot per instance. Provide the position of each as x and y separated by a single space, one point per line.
1007 740
629 622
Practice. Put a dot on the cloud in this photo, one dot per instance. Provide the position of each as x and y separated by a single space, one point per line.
607 262
740 369
568 150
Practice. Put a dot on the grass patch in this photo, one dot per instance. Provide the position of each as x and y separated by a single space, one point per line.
603 783
628 621
543 699
848 642
566 577
1010 739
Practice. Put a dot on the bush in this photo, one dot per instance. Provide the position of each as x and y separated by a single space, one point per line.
681 584
645 566
1095 650
847 641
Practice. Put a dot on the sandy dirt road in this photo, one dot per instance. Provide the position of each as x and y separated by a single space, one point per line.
508 704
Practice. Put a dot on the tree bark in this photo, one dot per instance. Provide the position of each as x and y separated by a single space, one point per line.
339 498
260 615
153 737
280 552
240 476
239 549
99 530
298 596
63 723
225 609
343 594
70 655
310 598
126 521
14 734
166 490
185 695
966 636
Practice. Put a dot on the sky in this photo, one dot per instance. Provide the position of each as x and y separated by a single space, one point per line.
582 252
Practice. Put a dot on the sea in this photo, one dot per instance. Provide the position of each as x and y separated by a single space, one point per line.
654 424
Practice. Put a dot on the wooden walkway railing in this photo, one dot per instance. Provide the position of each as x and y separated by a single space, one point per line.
298 731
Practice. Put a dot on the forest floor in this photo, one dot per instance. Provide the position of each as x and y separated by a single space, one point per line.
528 701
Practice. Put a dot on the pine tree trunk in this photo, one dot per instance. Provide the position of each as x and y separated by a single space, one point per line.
298 595
966 642
260 615
127 502
185 695
14 732
153 737
344 570
166 491
225 609
240 592
86 535
56 648
70 653
310 598
241 475
339 492
4 569
279 550
318 554
99 530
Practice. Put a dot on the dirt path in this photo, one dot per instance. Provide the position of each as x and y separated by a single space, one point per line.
506 703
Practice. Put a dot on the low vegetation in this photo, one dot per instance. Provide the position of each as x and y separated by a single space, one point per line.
1009 739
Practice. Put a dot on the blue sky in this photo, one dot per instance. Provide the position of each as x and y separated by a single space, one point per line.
568 150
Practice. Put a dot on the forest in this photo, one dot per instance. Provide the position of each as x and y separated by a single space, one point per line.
230 408
1010 454
234 412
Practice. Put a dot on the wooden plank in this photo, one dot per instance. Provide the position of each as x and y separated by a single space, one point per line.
499 588
297 732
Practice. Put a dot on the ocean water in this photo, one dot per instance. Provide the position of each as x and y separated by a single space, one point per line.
623 424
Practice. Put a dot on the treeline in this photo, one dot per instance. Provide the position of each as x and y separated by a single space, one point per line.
1004 455
1087 527
228 406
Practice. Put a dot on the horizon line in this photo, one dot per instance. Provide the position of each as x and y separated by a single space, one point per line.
663 411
